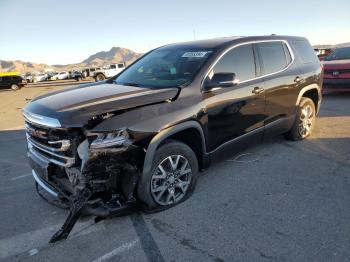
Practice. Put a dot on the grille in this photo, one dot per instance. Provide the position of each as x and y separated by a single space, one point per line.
52 145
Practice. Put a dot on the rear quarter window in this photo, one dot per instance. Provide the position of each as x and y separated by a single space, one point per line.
305 51
273 56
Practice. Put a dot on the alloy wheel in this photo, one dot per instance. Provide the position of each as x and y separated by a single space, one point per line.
306 121
171 180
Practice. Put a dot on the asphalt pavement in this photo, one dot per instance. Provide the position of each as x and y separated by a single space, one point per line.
277 201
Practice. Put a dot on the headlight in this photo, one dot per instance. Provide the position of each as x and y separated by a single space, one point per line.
110 139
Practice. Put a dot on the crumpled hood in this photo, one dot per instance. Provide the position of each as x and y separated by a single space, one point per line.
74 107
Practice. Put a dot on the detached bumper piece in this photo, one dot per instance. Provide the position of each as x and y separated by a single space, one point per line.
85 201
77 202
117 206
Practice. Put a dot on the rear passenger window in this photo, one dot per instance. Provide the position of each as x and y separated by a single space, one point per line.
273 56
113 67
305 51
240 61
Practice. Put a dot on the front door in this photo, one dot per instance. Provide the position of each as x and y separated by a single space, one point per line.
235 111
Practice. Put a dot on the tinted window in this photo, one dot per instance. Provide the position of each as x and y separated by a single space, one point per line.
305 51
240 61
273 56
113 67
120 65
165 67
339 54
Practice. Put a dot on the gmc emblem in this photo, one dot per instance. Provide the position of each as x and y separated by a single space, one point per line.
335 73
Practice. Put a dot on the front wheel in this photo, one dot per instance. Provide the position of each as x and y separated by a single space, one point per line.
304 121
172 177
14 87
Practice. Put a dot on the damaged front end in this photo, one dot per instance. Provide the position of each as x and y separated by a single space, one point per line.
88 172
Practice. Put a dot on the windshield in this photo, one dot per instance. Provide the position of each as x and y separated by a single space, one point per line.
339 54
165 68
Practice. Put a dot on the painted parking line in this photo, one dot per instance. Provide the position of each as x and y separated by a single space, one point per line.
22 176
30 243
116 251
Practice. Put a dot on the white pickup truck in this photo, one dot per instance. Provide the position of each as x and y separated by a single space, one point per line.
108 71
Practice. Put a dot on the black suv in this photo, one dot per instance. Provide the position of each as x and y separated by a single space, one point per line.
144 135
12 82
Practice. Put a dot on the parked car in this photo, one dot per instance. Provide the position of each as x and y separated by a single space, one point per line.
108 71
337 70
62 75
78 76
89 72
40 77
29 77
52 75
13 82
145 134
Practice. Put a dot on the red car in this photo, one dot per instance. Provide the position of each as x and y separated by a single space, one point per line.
337 70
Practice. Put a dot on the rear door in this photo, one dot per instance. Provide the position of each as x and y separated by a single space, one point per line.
279 74
112 71
235 111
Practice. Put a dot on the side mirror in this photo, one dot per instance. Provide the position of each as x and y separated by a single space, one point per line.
220 80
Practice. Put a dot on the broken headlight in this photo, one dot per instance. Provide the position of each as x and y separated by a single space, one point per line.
108 139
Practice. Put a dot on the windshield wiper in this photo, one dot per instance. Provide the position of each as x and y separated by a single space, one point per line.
128 84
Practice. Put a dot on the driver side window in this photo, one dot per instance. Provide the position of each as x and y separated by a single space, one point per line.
239 60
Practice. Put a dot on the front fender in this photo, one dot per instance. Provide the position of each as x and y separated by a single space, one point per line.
166 133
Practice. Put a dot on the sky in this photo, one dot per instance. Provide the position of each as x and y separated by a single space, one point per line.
65 31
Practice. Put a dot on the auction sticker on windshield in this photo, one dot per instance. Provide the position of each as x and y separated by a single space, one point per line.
194 54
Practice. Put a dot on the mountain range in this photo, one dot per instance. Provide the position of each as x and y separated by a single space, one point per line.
332 46
114 55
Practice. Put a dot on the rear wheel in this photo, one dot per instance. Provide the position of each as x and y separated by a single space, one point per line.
100 77
305 120
172 177
14 87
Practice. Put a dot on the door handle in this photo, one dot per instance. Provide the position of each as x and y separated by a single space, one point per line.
298 79
257 90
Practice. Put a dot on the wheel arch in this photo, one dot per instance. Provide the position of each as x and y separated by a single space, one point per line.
178 132
313 92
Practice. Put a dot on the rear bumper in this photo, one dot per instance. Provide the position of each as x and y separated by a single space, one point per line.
336 84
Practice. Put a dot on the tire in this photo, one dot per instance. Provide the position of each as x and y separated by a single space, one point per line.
171 185
99 77
14 87
304 121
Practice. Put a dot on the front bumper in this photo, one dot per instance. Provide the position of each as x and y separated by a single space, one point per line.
47 187
336 84
103 186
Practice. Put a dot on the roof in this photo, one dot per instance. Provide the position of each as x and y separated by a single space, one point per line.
224 41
